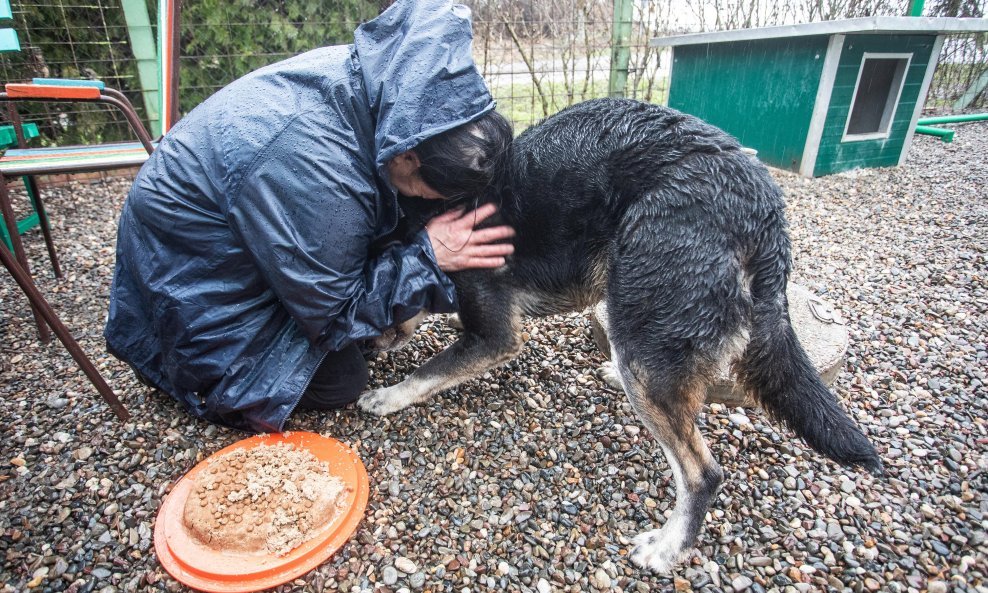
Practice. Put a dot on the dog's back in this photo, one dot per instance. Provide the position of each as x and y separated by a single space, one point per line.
582 180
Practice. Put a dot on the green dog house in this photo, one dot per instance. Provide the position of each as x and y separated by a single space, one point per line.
815 98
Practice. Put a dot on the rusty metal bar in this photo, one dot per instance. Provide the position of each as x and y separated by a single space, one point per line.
39 304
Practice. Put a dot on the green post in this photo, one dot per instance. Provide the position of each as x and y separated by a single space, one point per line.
620 47
146 54
915 7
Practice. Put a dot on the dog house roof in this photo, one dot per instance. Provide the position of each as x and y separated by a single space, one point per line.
872 24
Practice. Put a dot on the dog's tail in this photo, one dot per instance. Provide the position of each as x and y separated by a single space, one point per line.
775 369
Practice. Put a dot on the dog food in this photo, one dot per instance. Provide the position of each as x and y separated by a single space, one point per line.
268 499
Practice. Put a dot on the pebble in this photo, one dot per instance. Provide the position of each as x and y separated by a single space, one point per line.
389 576
405 565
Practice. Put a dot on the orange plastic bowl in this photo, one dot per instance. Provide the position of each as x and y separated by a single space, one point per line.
206 569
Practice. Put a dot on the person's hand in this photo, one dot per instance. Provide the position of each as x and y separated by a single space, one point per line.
458 246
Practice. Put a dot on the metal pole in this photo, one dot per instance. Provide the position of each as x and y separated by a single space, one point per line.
142 46
38 301
44 334
175 12
915 8
952 119
620 47
942 133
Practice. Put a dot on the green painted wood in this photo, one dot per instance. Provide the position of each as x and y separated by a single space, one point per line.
23 225
8 137
620 47
836 155
9 41
146 54
760 91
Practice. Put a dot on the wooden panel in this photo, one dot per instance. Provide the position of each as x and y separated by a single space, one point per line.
9 41
760 91
45 91
836 155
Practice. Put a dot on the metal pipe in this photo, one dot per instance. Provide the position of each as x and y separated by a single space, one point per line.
952 119
943 133
44 334
23 279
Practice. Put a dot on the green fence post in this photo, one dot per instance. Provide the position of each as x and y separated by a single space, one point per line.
146 54
620 47
915 8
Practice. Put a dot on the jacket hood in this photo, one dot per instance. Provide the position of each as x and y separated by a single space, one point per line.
419 75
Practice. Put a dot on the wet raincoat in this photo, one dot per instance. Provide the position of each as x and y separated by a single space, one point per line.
243 246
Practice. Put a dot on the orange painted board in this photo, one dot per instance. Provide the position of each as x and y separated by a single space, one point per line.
219 571
46 91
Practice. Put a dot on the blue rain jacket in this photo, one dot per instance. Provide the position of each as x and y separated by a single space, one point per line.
243 251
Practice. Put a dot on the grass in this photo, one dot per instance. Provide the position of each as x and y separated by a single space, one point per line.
522 104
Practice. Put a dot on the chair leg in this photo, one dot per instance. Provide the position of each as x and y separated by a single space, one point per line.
34 193
44 334
38 301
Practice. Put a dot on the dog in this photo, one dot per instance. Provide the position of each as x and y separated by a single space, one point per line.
683 235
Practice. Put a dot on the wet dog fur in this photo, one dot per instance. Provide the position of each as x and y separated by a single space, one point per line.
684 237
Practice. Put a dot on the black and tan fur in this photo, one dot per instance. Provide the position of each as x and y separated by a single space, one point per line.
684 236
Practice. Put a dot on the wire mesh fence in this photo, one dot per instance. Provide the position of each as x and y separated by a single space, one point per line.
538 56
80 39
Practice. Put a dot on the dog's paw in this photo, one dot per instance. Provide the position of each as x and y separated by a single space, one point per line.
657 551
384 401
455 322
609 375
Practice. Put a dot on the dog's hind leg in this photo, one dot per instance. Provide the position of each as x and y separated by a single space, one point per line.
668 402
492 336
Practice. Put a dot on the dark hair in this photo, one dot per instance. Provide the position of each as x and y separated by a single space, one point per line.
465 160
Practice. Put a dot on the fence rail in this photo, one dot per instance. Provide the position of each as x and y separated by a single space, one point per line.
538 56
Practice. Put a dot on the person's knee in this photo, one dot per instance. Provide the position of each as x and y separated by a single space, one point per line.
339 381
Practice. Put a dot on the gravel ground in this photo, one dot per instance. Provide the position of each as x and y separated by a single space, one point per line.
535 477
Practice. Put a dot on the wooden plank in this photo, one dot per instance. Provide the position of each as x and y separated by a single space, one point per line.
146 54
44 91
9 41
761 92
835 156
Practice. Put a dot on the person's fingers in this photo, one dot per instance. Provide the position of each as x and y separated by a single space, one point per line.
475 217
485 262
492 234
450 216
490 250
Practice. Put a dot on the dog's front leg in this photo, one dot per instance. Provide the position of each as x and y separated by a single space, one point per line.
491 337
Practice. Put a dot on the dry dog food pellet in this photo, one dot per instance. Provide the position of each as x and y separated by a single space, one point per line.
273 498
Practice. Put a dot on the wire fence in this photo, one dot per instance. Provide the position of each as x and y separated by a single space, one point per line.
538 56
80 39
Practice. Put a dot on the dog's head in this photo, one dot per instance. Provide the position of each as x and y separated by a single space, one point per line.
394 338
